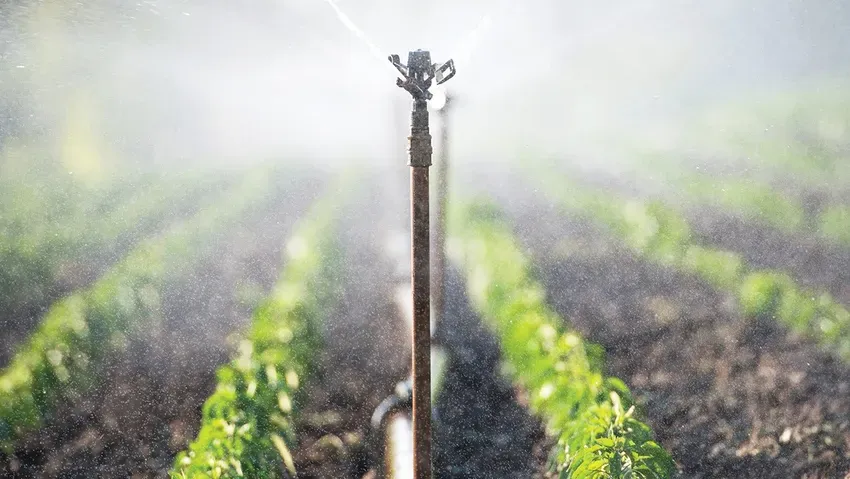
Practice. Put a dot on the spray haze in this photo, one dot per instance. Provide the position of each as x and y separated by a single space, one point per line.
192 82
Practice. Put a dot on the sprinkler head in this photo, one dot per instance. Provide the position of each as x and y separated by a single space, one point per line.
419 73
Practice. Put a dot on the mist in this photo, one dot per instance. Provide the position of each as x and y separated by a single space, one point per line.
202 83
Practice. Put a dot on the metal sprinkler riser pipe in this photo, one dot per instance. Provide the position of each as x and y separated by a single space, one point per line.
418 75
421 289
420 149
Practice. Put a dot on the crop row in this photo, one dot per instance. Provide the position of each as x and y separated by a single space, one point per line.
762 160
247 429
44 232
801 135
660 234
748 198
592 416
66 355
761 202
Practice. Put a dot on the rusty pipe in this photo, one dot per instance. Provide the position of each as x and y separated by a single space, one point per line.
420 274
418 75
421 364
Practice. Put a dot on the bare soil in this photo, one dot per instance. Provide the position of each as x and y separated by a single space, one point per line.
481 429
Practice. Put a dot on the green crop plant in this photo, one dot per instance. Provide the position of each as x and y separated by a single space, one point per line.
749 199
660 234
66 354
816 315
247 429
834 224
591 416
721 269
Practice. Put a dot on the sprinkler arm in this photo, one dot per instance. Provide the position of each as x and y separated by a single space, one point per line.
419 73
441 75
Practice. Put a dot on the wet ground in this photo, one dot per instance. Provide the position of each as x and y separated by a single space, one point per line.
481 430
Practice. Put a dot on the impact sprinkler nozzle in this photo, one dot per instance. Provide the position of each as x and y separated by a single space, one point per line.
420 72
